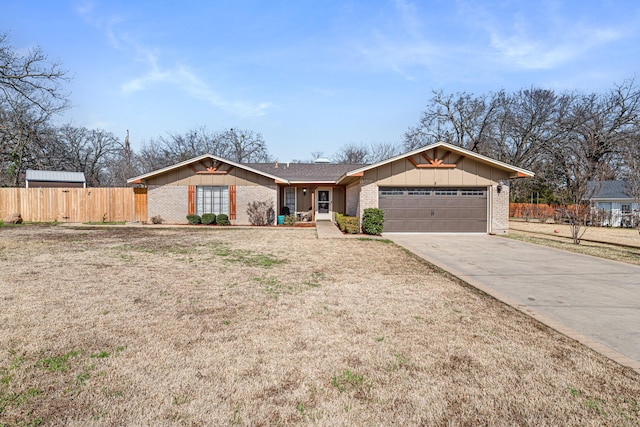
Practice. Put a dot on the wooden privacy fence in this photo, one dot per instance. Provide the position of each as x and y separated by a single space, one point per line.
543 211
75 204
532 210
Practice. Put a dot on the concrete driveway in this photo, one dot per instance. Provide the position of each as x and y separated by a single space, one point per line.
593 300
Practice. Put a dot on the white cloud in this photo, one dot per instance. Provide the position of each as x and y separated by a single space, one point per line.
178 75
541 37
185 79
528 51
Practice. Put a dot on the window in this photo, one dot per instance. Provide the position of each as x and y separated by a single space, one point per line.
392 192
212 200
418 191
290 199
625 208
605 206
446 191
471 192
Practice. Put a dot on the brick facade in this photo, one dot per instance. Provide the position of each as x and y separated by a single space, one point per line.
253 193
169 202
499 210
368 196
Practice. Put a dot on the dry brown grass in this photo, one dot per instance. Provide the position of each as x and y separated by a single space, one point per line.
218 326
619 244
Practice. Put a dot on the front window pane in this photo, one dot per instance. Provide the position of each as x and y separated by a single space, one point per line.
212 199
290 199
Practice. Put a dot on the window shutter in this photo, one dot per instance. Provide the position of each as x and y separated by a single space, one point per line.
191 205
232 202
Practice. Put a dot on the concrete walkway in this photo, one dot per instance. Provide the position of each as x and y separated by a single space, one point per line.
592 300
328 230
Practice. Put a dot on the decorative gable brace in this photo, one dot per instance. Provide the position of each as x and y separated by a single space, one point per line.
434 161
210 168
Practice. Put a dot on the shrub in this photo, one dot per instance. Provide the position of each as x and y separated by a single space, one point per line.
347 224
194 219
260 213
208 218
290 219
222 219
157 219
373 221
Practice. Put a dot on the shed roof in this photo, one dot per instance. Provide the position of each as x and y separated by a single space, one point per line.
609 189
54 176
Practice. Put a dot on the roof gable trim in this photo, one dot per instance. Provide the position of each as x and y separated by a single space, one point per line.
438 162
212 169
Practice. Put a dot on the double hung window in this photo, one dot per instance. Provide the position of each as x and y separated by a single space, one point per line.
212 199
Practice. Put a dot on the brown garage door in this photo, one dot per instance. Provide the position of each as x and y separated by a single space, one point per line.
434 209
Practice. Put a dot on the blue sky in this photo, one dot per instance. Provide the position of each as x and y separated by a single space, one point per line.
315 75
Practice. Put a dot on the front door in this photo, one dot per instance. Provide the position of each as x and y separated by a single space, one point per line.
323 204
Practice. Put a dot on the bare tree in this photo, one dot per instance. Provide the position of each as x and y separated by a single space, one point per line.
32 78
20 128
88 151
30 92
352 154
383 151
243 146
631 156
233 144
151 156
461 119
122 165
598 128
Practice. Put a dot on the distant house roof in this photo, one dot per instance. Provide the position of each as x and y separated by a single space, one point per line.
611 189
305 172
55 176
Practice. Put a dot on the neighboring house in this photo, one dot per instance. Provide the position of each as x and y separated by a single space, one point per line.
47 179
437 188
612 203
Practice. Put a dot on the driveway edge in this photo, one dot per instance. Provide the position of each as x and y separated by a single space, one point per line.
594 345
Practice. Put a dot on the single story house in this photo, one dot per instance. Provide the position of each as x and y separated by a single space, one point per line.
48 179
612 203
436 188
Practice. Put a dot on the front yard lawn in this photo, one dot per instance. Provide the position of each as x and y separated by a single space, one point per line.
265 326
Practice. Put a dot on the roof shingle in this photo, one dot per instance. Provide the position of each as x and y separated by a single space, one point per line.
611 189
311 172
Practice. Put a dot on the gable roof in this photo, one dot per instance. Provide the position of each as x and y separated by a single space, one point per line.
328 173
196 160
610 189
520 173
54 176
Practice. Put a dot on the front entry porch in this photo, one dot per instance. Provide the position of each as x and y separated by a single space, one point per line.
311 202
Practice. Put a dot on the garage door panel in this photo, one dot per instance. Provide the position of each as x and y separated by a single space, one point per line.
452 210
477 213
421 226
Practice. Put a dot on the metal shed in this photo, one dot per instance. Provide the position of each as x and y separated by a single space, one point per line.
47 179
